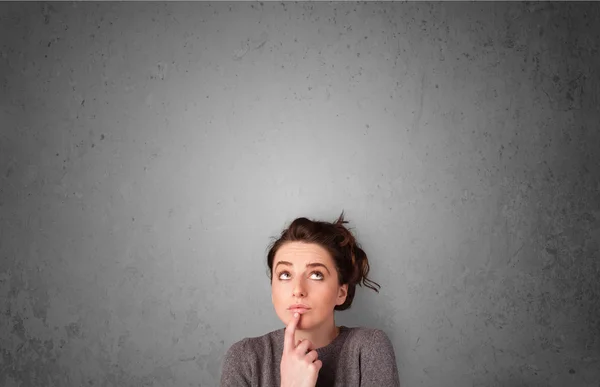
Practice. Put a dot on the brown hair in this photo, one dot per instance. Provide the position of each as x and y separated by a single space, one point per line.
351 262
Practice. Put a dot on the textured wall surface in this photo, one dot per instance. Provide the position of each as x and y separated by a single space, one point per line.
148 151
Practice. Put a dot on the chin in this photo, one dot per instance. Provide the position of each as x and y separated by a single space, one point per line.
305 325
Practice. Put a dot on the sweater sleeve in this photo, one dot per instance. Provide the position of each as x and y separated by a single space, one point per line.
378 362
236 369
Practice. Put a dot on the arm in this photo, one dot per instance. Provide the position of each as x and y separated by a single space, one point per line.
236 369
378 362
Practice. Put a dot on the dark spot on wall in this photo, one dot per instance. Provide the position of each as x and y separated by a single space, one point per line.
101 137
571 371
587 217
569 96
73 330
18 328
46 10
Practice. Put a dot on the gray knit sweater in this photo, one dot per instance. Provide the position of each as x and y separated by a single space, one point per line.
356 357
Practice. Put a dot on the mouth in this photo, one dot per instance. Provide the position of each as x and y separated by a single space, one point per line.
298 309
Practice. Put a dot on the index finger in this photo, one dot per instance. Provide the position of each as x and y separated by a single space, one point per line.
290 330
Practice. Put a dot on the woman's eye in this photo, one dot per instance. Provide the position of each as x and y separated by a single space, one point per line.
316 275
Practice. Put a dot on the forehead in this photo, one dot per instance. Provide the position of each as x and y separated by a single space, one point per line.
302 252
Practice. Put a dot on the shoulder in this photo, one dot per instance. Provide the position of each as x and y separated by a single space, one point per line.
247 359
236 358
370 342
251 347
238 349
236 370
377 359
368 336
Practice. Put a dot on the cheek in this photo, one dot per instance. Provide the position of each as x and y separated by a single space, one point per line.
276 294
334 293
325 294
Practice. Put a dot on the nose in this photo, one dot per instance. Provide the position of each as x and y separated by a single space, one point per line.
299 290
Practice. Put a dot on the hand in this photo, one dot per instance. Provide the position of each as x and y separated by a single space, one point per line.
298 368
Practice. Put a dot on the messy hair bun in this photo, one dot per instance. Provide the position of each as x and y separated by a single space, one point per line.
351 261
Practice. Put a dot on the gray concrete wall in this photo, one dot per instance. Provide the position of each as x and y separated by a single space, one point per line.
148 151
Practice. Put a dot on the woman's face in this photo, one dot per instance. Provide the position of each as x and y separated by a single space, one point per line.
304 275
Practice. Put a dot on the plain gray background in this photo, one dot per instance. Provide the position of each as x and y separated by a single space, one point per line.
148 151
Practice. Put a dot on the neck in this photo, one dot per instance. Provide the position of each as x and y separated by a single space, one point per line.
319 336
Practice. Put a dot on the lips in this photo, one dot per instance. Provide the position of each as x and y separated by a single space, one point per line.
299 308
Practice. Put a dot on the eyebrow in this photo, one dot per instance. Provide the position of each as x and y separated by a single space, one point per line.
316 264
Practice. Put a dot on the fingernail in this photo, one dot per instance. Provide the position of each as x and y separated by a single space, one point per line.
296 314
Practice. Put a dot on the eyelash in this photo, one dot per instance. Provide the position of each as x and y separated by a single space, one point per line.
313 272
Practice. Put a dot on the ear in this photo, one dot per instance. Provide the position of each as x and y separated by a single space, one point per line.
342 293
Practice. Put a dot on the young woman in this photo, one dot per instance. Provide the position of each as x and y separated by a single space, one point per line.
314 269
